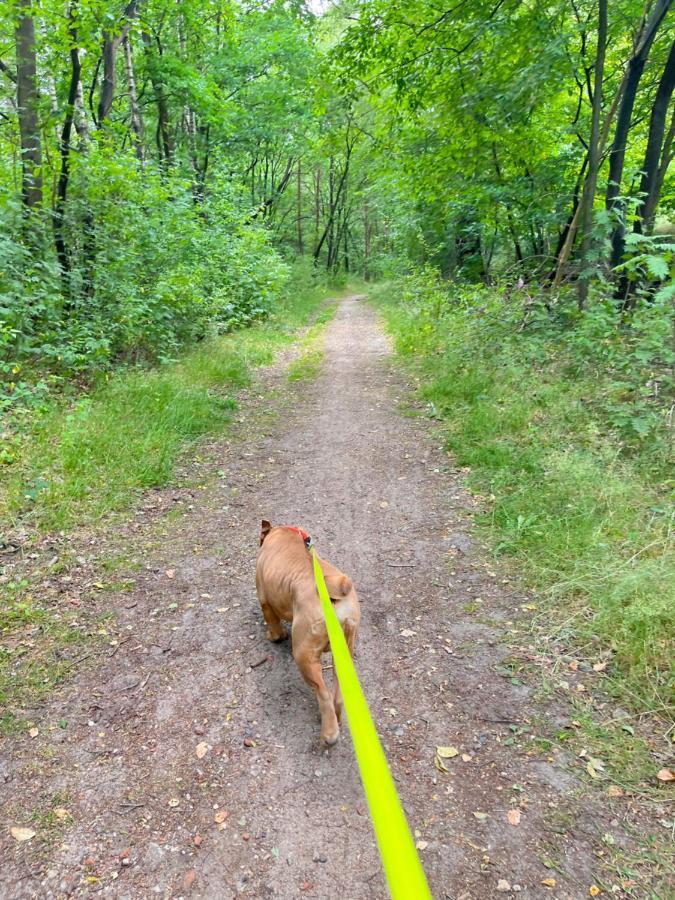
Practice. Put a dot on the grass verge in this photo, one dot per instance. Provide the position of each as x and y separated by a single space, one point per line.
76 462
589 525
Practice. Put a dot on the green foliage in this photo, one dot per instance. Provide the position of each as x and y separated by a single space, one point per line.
549 413
77 461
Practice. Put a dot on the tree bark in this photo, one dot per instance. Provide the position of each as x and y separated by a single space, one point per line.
298 209
27 103
137 126
590 185
111 44
649 185
164 143
64 151
617 152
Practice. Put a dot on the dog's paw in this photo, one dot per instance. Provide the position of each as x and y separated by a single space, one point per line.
276 636
330 739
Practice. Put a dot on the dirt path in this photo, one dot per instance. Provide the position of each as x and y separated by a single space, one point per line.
283 818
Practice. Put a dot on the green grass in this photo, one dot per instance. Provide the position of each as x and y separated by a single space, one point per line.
78 461
588 525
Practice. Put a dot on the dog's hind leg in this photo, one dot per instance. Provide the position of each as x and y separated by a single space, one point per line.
275 630
350 636
309 663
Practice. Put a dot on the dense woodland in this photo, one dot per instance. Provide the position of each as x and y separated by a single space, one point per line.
161 162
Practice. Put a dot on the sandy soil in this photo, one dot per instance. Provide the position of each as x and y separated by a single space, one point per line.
190 764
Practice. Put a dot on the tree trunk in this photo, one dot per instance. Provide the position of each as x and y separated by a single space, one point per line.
649 186
366 242
617 153
111 44
27 103
588 196
163 136
64 151
298 210
317 204
137 127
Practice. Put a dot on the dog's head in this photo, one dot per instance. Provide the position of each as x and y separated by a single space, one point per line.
265 529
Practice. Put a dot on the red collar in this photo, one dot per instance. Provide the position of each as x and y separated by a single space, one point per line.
303 534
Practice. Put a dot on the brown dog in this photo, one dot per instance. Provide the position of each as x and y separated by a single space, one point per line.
284 580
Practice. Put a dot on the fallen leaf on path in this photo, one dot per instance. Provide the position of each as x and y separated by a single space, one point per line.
422 845
548 882
481 815
383 504
220 816
614 791
599 666
407 632
447 752
595 767
62 813
170 573
197 840
174 802
440 765
201 749
503 885
189 879
513 816
33 732
665 775
594 890
22 834
466 757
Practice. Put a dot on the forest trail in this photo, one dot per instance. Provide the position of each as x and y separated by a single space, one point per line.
163 796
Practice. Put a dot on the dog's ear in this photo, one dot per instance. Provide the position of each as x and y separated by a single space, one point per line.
338 586
265 529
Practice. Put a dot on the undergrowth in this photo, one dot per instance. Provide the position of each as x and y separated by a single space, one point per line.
73 461
564 424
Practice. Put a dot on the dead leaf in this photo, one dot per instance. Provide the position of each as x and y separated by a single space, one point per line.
33 732
61 813
407 632
513 817
220 816
422 845
189 879
665 775
595 767
503 885
481 815
383 504
548 882
614 791
439 765
466 757
594 890
174 802
22 834
599 666
201 749
447 752
170 573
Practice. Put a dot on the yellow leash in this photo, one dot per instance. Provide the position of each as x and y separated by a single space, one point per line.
402 866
